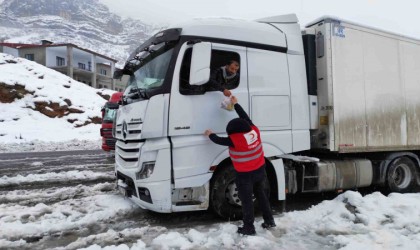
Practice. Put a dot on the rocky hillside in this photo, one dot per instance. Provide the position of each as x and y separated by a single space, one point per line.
38 103
87 23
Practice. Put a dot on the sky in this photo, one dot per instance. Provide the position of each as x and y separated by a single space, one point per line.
396 16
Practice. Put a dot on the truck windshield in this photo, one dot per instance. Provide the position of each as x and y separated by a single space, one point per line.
151 71
109 115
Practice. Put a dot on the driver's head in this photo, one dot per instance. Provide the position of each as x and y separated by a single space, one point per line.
232 67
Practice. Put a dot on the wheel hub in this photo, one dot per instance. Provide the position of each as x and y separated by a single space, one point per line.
402 176
232 194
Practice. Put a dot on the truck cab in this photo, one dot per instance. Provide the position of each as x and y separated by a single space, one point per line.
109 110
163 160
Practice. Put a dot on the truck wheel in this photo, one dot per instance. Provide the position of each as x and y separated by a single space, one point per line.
224 199
401 175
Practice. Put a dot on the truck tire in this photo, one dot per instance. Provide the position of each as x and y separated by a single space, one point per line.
401 175
224 199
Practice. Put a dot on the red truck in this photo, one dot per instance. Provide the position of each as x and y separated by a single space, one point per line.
108 113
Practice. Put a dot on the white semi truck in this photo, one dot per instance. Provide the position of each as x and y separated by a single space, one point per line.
340 92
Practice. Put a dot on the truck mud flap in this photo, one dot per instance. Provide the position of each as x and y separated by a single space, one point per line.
279 169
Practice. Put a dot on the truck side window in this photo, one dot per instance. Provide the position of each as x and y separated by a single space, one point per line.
218 78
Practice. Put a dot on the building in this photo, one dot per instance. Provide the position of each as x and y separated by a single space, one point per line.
81 64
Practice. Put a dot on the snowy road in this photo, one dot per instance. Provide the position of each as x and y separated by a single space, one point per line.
67 200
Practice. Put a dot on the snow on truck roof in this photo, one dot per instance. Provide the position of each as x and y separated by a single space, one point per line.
234 29
253 30
288 18
334 19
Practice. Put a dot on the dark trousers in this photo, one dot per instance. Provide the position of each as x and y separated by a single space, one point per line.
249 183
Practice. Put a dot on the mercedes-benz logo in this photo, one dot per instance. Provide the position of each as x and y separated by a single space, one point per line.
124 129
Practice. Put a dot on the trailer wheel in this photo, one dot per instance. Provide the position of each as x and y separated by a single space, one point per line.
401 175
224 198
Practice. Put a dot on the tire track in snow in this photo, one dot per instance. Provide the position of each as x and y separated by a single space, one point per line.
54 194
49 179
40 168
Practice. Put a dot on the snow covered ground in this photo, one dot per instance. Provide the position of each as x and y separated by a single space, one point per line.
46 205
348 222
38 145
43 109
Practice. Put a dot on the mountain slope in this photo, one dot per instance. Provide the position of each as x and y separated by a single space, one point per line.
87 23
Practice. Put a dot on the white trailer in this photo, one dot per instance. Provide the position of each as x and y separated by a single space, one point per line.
337 91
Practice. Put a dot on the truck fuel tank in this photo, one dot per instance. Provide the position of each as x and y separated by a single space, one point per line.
333 175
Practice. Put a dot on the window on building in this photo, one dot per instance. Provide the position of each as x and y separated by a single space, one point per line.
90 66
82 66
100 86
219 58
30 57
60 61
103 72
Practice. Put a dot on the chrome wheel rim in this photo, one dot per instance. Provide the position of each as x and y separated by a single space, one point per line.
232 194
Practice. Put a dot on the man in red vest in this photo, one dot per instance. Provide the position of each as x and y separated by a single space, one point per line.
247 155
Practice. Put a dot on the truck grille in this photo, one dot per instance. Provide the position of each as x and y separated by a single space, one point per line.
131 132
129 142
128 152
110 142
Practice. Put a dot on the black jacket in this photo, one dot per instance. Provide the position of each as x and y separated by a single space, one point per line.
218 82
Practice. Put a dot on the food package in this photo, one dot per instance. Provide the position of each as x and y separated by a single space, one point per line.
227 104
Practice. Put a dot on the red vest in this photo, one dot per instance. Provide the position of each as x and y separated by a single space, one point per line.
247 154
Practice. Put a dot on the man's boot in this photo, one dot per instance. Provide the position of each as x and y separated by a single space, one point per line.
246 230
269 224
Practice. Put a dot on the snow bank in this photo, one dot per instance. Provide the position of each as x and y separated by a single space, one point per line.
41 104
21 222
348 222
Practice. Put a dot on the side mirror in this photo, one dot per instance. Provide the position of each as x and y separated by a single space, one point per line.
118 73
200 63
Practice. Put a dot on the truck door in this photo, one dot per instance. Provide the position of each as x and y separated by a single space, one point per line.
269 95
192 111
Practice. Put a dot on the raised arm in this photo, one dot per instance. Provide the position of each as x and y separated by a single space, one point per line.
215 83
240 111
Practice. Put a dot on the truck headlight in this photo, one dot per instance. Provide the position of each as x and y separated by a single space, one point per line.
146 170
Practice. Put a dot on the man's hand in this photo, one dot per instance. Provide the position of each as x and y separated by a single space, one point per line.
208 132
227 92
233 100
